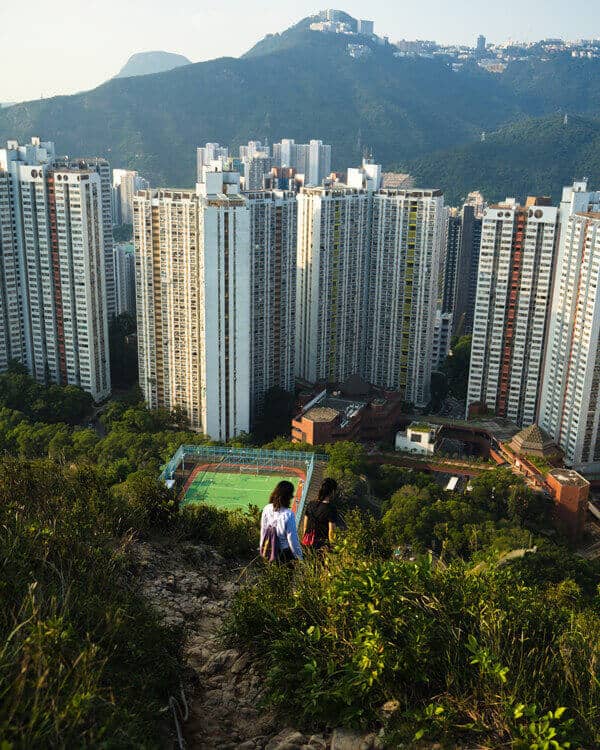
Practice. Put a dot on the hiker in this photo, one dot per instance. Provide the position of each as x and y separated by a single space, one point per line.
279 541
321 518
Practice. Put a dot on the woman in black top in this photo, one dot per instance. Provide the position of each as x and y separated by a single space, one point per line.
321 517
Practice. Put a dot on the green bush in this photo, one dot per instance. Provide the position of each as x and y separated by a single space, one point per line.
457 648
234 533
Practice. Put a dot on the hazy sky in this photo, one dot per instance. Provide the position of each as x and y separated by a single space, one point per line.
59 47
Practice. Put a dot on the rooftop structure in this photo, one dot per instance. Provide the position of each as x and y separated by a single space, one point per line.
533 441
342 414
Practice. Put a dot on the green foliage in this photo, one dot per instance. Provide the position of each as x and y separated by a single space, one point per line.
54 403
467 655
151 504
423 516
277 413
553 154
84 662
233 533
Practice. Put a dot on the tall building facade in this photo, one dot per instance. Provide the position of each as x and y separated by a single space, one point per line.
569 409
332 258
193 303
256 168
273 232
124 278
102 167
54 300
511 308
460 267
407 239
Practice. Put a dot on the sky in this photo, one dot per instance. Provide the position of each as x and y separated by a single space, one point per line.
68 45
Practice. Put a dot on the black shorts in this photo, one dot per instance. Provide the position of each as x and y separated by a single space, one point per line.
285 556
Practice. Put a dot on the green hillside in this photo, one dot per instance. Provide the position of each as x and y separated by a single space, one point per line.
529 157
302 84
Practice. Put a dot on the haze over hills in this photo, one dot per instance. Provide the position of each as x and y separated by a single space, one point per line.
146 63
411 112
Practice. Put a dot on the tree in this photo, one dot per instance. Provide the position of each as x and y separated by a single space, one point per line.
149 502
346 459
277 413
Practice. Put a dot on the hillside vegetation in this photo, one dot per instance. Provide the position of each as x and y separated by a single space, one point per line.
303 85
461 644
530 157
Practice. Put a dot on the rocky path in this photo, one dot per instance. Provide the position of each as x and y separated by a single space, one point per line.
192 585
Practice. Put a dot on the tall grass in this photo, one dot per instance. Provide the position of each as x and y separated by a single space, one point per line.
83 662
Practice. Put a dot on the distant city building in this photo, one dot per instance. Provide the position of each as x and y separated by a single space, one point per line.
313 160
193 288
511 308
333 253
352 410
397 180
569 404
254 148
53 299
418 438
206 154
442 336
477 201
125 184
256 168
124 278
407 239
481 44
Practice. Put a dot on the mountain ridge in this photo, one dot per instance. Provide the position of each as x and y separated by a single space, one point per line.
301 84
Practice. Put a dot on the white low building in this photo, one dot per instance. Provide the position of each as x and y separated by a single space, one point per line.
418 438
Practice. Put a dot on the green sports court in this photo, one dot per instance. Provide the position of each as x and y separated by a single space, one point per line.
234 489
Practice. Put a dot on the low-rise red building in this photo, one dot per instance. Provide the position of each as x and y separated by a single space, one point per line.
570 492
353 411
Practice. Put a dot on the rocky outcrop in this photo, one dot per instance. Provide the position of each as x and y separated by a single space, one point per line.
191 586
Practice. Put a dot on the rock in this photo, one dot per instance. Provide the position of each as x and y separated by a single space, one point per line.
240 664
287 739
220 662
318 741
248 745
390 707
347 739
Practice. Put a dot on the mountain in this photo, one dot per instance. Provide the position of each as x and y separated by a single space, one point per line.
146 63
301 84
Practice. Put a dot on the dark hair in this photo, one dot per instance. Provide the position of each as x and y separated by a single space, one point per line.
282 495
327 489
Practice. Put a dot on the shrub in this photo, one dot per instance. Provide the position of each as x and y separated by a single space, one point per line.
233 533
457 648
